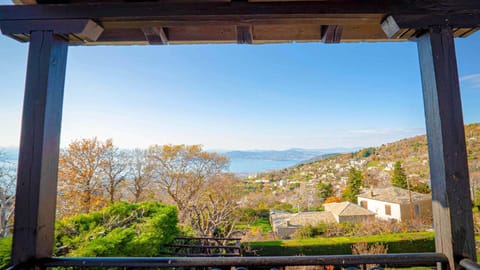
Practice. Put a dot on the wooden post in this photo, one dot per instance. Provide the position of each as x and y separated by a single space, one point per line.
33 235
452 209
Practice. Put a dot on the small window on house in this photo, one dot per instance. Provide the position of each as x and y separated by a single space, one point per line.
417 210
388 210
364 204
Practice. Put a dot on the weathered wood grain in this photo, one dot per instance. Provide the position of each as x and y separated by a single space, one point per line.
33 234
332 33
244 34
452 210
155 35
83 29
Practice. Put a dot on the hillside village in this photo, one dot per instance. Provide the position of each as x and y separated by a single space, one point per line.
301 186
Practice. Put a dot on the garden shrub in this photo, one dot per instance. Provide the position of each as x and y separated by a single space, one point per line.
309 231
5 250
122 229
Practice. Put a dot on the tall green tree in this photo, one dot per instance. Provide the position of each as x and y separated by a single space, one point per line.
325 190
355 182
399 178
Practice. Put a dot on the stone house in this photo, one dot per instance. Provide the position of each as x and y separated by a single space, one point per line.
394 203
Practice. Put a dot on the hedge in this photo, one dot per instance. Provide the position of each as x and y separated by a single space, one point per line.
397 243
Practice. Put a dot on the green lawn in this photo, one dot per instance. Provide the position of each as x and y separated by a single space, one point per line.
262 223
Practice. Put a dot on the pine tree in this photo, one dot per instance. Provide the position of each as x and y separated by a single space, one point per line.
355 182
325 190
399 178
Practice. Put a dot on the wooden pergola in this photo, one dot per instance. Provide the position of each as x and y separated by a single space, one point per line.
51 26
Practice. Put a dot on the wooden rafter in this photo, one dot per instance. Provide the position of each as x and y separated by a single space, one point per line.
155 35
244 34
332 33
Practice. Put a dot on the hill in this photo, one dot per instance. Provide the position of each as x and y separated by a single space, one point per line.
296 154
299 185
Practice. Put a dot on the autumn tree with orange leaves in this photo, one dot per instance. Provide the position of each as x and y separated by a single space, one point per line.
80 187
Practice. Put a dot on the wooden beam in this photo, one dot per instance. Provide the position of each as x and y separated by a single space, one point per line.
82 29
395 25
452 209
33 233
155 35
332 33
391 27
110 11
244 34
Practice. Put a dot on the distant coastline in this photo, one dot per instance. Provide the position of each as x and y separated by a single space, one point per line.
250 162
251 166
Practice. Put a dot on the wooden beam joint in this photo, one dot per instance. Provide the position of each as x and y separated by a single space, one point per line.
74 30
331 33
155 35
244 34
413 25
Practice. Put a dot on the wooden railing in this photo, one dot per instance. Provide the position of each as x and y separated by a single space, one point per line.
359 261
469 264
204 247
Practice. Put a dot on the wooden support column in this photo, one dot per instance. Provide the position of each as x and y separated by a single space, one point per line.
452 209
33 235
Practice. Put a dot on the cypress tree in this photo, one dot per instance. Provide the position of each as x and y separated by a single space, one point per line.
399 178
355 182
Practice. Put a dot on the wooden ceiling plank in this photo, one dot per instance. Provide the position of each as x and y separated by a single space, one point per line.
286 33
201 34
324 19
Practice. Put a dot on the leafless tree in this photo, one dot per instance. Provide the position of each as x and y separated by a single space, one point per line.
139 178
7 194
212 214
114 167
183 170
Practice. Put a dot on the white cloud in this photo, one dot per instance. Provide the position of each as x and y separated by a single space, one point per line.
387 131
473 80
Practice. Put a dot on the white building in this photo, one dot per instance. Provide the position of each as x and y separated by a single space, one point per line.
393 203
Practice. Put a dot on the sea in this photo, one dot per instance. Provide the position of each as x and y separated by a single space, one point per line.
240 166
252 166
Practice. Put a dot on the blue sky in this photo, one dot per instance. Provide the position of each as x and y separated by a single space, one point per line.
307 95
